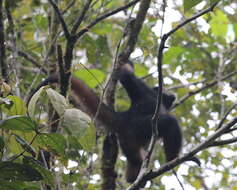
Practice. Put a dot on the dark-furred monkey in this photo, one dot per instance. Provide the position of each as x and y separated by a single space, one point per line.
132 127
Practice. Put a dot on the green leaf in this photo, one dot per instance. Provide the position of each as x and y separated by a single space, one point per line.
18 122
172 54
47 175
219 24
89 139
92 77
214 1
16 171
17 185
235 29
53 141
140 70
188 4
25 145
76 121
33 100
16 106
57 100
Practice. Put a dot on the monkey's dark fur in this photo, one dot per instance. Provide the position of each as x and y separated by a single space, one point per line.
136 127
133 127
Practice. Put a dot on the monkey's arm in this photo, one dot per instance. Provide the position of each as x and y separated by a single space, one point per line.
135 87
88 99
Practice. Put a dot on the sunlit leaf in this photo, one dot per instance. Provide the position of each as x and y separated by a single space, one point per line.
188 4
16 106
140 70
88 140
219 24
92 77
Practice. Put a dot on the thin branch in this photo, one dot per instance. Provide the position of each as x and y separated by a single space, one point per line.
185 85
224 142
28 58
208 85
61 19
211 8
225 116
106 15
81 17
68 6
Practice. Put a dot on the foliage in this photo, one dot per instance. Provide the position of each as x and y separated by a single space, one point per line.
200 52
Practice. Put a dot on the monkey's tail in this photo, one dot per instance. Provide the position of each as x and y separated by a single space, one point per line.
51 79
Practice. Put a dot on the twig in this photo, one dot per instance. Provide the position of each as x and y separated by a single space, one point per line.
81 17
106 15
225 116
223 142
185 85
208 85
29 58
61 19
68 6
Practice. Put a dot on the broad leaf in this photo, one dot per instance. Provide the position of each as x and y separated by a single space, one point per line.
89 139
53 141
47 175
16 171
18 122
32 102
219 24
58 101
92 77
16 106
76 121
18 185
188 4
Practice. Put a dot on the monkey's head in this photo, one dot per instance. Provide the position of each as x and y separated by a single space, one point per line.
167 98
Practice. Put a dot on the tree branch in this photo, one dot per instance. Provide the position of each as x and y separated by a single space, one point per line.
28 58
81 17
208 85
61 19
224 142
102 17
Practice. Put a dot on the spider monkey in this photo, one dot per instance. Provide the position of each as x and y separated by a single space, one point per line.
132 127
136 126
